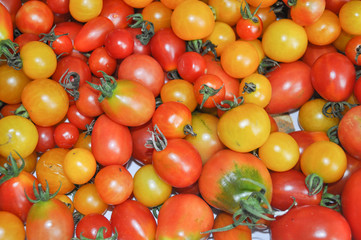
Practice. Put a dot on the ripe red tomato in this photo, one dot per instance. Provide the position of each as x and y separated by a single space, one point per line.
191 65
117 11
66 135
140 136
90 224
306 12
46 138
119 43
78 119
100 60
209 90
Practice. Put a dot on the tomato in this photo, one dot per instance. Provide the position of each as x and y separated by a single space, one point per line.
227 11
87 200
262 4
350 194
178 164
143 69
239 59
93 34
46 138
191 65
111 142
221 35
117 11
326 159
222 183
325 30
50 169
90 224
313 52
45 97
249 26
60 7
158 14
288 185
240 232
209 91
140 137
335 5
30 162
17 135
114 184
6 24
11 227
85 10
184 215
34 17
149 188
12 6
350 18
206 141
306 12
192 20
119 43
326 224
15 184
348 132
133 221
266 14
357 90
352 50
66 135
100 60
88 103
248 120
9 109
79 165
284 41
179 90
333 76
77 119
24 38
67 201
257 89
48 218
166 47
84 141
39 60
62 44
291 81
280 152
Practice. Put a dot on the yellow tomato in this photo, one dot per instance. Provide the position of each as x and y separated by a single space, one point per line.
85 10
256 89
221 36
350 17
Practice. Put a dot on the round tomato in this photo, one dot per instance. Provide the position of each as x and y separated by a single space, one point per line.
99 60
257 89
66 135
158 14
306 12
46 139
117 11
119 43
350 18
190 66
87 200
227 11
85 10
11 227
209 91
222 35
90 224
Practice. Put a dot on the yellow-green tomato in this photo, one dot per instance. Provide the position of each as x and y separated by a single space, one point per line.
280 152
244 128
17 135
149 188
206 141
326 159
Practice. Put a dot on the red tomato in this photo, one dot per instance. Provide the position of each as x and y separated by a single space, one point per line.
114 184
143 69
333 76
117 12
191 65
119 43
24 38
335 5
352 50
90 224
88 103
313 52
327 222
240 232
12 6
306 12
133 221
289 81
184 215
6 24
140 136
138 45
66 135
111 142
79 120
209 90
58 6
357 90
93 34
250 25
100 60
46 138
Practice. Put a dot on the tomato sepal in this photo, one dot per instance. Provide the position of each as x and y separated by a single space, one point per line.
11 170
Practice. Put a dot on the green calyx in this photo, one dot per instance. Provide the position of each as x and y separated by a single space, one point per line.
202 48
22 112
50 37
227 105
207 92
314 184
247 14
159 141
100 235
70 81
146 27
330 200
108 84
335 109
10 50
40 194
249 88
11 168
267 65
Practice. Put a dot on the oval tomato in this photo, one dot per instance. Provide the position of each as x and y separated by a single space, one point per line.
6 25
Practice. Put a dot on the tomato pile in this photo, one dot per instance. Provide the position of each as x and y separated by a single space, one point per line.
189 92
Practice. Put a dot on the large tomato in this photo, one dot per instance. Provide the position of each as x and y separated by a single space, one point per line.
291 81
229 177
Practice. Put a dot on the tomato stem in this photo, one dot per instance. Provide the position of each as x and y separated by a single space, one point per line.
70 81
40 194
335 109
314 184
237 101
208 92
147 27
188 129
332 134
50 37
9 50
22 112
330 200
11 168
249 88
108 84
158 141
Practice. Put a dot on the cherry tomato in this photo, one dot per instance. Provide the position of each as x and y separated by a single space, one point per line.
90 224
87 200
11 227
85 10
191 65
209 90
6 26
119 43
117 11
66 135
349 16
257 89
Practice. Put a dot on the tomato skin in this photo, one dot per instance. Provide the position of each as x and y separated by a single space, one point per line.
79 120
138 46
333 76
290 184
222 35
114 184
357 90
11 227
85 10
305 138
12 6
88 103
46 138
87 200
66 135
111 142
306 12
158 14
262 95
348 132
191 65
179 164
351 50
58 6
166 47
330 223
6 24
140 136
12 194
225 163
291 81
249 29
119 43
49 220
117 11
93 34
213 82
239 233
313 52
100 60
184 215
349 16
89 225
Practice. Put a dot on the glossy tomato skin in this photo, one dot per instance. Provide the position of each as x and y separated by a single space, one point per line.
49 220
184 215
191 65
179 164
79 120
305 138
330 223
313 52
221 191
12 6
349 198
306 12
6 26
88 103
87 200
58 6
90 224
349 130
46 139
11 227
12 194
333 76
291 81
66 135
133 221
111 142
290 184
117 12
99 60
119 43
140 136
